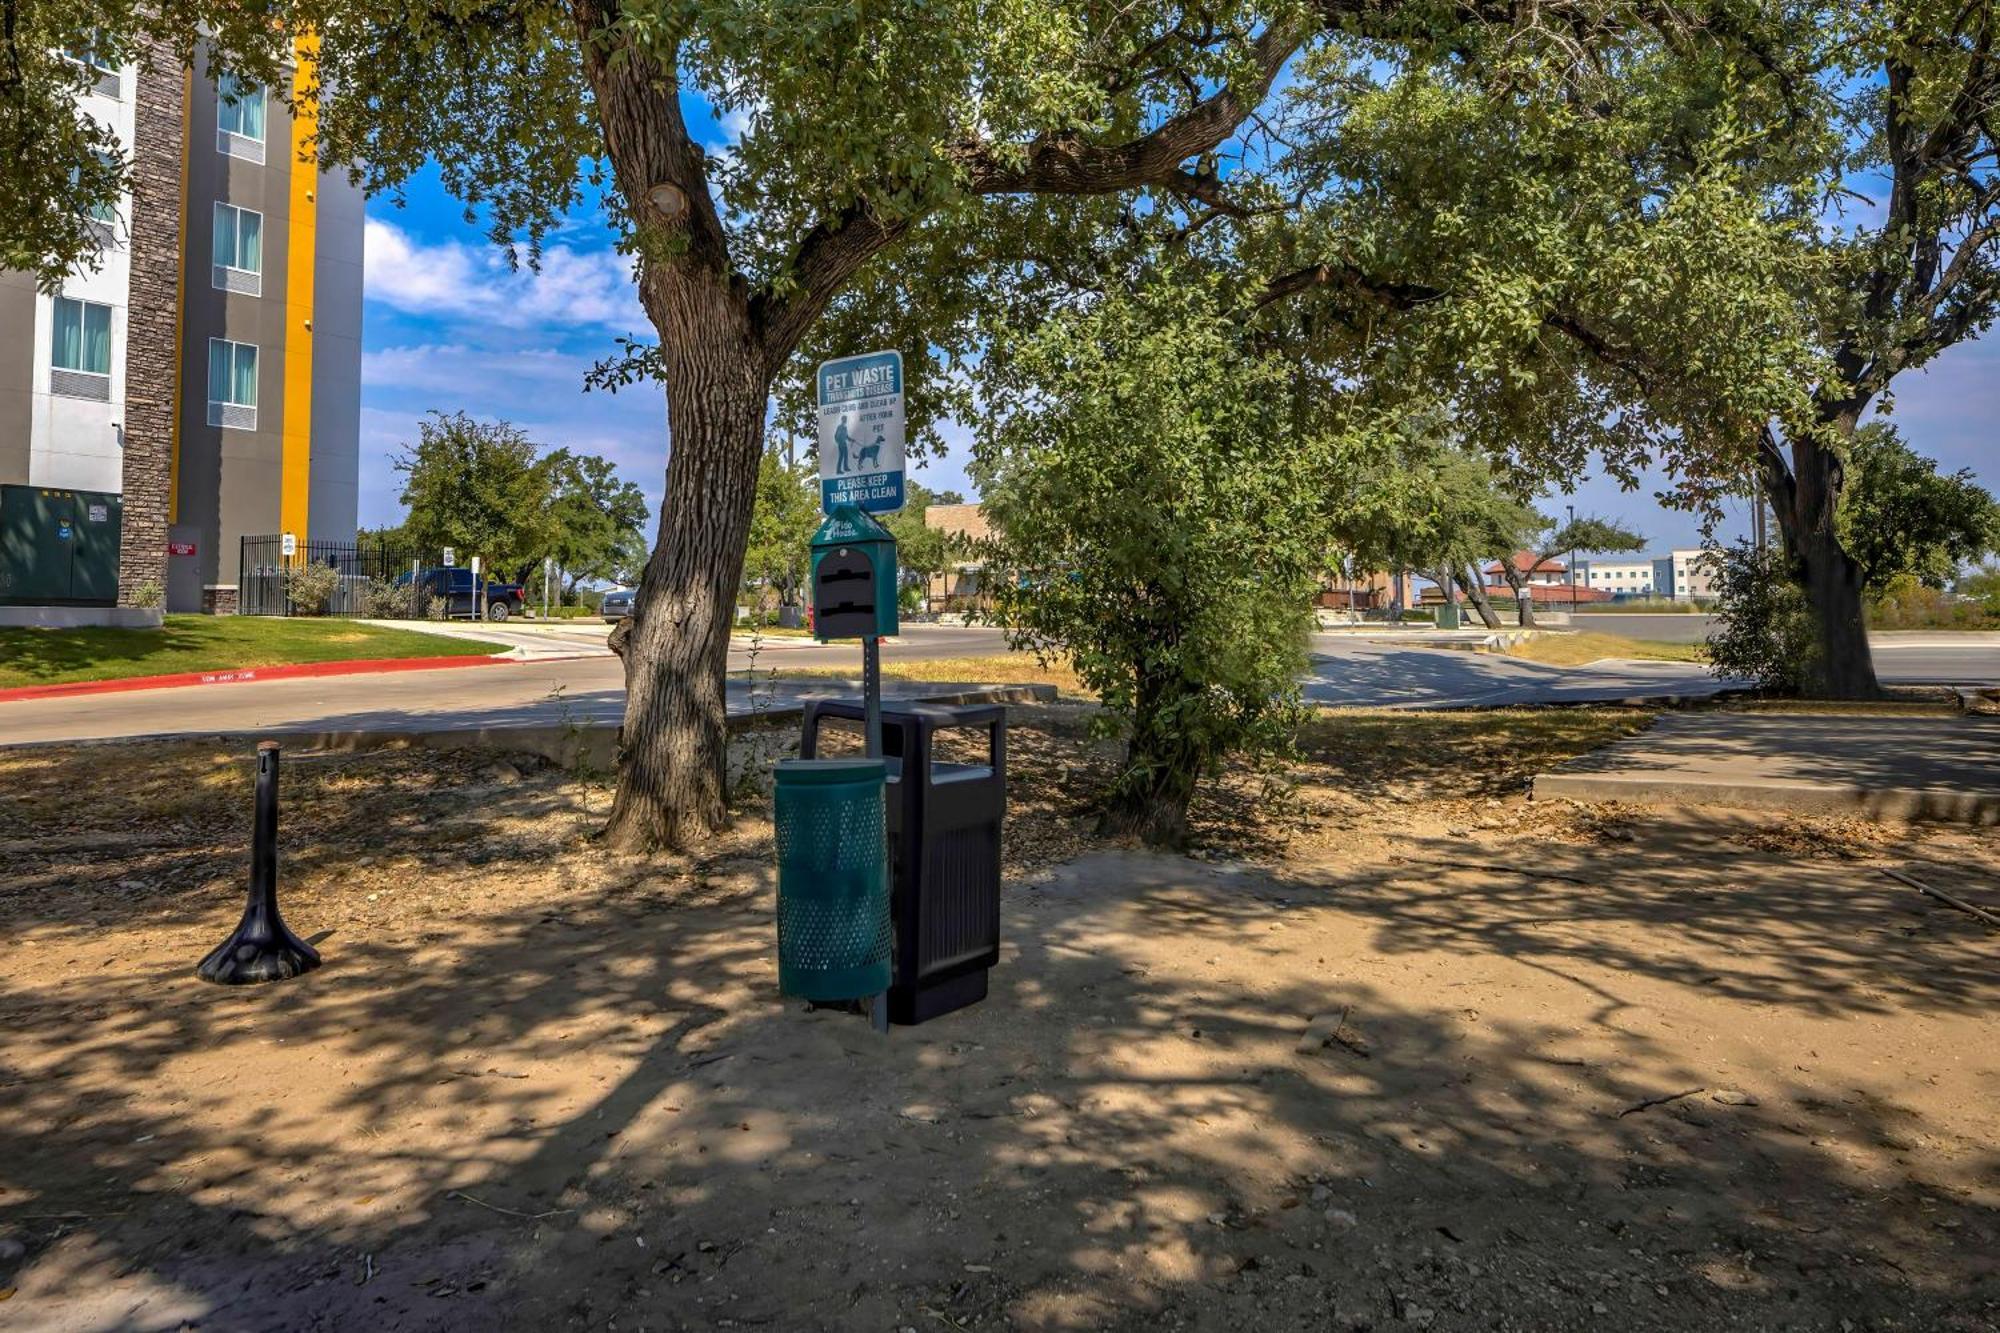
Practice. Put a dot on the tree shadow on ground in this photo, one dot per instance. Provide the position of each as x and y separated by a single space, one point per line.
579 1098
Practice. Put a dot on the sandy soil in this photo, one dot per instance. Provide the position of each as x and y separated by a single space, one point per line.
1414 1054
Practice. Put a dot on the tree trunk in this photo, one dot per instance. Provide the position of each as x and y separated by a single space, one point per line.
1150 799
1475 592
1805 502
1524 604
672 783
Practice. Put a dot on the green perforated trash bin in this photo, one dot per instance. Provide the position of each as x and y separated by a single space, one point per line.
833 879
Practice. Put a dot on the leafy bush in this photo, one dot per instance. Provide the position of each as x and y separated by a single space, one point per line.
1764 631
384 600
148 595
1162 523
310 588
1905 602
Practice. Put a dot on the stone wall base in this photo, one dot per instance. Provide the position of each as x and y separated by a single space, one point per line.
219 599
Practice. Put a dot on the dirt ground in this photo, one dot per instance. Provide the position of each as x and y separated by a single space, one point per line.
1407 1053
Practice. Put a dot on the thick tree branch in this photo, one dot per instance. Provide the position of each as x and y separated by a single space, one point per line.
646 138
1067 164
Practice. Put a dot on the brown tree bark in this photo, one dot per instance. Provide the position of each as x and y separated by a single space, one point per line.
1475 592
674 746
1150 800
1524 603
1805 496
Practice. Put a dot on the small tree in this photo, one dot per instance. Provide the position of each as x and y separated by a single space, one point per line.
596 520
1898 516
781 527
1542 545
477 486
1161 519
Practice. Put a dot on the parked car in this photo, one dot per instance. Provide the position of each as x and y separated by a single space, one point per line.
455 588
617 604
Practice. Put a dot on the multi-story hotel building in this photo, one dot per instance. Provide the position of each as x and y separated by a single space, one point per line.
203 383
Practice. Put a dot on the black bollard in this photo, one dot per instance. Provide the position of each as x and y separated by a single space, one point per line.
261 948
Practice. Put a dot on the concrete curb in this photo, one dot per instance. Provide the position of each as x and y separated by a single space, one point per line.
1887 804
289 671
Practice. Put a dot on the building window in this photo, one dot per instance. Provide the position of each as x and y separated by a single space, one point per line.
80 351
239 118
239 250
232 384
103 77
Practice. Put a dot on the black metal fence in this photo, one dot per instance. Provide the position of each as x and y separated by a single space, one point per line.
370 577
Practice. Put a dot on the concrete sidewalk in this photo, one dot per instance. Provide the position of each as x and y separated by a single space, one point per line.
1876 766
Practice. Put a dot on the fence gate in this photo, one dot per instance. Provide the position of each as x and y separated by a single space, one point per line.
361 566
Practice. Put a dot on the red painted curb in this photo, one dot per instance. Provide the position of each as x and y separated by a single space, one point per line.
292 671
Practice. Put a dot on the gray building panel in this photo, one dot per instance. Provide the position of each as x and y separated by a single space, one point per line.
231 479
336 404
17 375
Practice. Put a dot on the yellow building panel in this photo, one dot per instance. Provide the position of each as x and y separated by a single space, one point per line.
295 501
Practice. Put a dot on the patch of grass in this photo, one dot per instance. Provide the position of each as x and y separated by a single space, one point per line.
1579 647
771 631
998 669
208 643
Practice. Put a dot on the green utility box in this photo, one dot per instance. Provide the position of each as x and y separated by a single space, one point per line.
1447 616
853 576
833 878
59 547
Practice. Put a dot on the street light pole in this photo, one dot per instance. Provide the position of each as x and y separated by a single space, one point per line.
1572 558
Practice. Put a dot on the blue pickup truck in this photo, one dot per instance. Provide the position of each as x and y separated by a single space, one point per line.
455 588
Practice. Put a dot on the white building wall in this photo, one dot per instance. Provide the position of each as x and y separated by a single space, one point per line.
75 443
1626 576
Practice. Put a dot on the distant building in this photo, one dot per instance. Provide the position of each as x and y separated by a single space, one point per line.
1685 575
1539 573
958 587
1620 578
204 382
1367 590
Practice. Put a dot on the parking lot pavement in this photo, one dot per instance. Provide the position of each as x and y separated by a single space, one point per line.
1348 673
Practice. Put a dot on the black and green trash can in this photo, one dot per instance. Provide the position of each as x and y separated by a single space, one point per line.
833 879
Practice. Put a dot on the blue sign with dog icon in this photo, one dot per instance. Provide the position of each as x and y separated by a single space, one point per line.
861 432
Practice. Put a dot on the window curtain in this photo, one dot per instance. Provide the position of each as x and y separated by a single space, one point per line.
243 384
218 371
239 238
69 334
225 235
82 336
242 109
249 241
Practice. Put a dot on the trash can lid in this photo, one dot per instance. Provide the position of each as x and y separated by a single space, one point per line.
794 772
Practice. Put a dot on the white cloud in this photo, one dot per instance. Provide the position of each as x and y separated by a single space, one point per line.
573 290
456 368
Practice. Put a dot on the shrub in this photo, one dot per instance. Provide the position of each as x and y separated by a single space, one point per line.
1160 521
1764 631
310 588
148 595
383 600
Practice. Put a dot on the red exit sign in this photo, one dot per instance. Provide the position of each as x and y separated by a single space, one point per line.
180 548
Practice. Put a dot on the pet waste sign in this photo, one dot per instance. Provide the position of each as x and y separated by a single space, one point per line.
861 432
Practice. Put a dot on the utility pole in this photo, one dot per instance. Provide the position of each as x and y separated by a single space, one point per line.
1572 558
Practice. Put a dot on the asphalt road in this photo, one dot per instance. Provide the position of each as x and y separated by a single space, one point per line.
552 691
1655 628
1345 671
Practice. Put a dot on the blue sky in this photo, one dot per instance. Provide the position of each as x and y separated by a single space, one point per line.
449 326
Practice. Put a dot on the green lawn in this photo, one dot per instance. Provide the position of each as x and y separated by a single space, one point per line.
207 643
